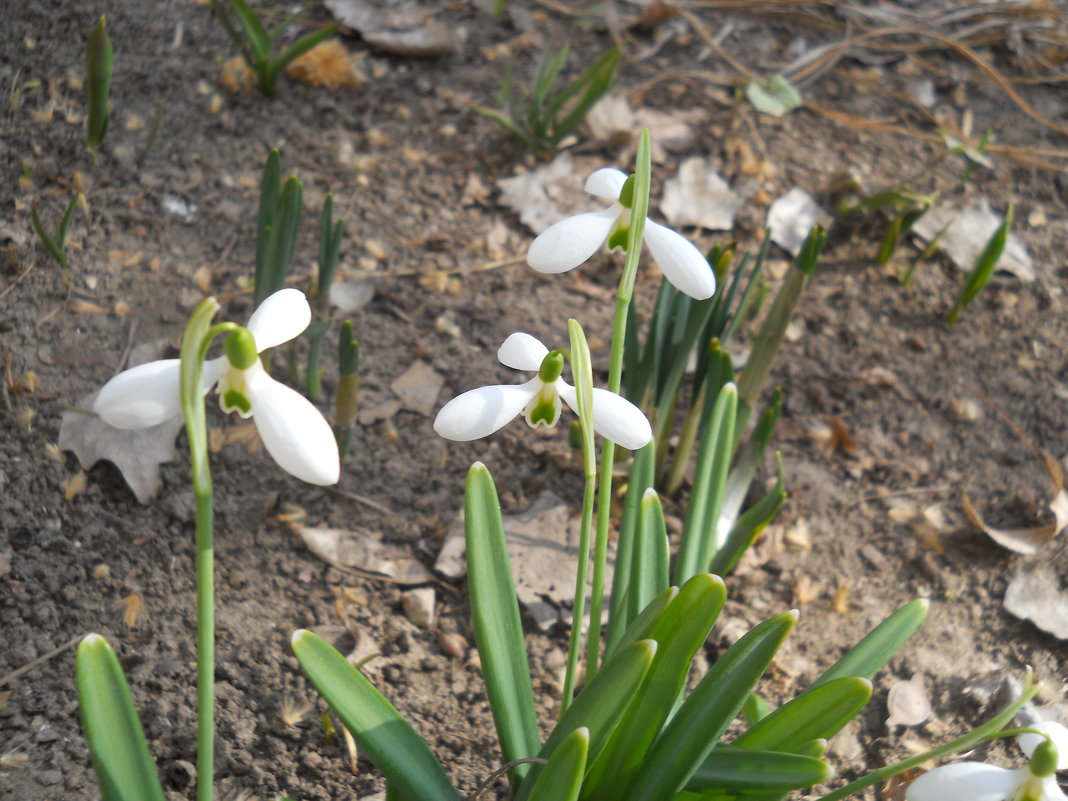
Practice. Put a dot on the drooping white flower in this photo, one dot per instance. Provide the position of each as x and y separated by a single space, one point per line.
977 781
568 243
479 412
292 429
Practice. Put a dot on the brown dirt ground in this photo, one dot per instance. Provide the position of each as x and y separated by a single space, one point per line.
421 145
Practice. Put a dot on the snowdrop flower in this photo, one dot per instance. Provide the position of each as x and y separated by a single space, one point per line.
480 412
292 429
977 781
568 243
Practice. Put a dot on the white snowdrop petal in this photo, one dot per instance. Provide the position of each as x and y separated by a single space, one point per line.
522 352
1051 790
293 431
479 412
1058 733
615 418
606 183
141 397
965 781
568 243
680 260
281 317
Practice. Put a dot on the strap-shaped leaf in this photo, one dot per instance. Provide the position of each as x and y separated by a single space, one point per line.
881 643
818 713
498 628
748 527
709 487
254 31
270 190
382 734
680 629
562 778
742 770
692 734
600 705
641 478
124 768
98 78
649 568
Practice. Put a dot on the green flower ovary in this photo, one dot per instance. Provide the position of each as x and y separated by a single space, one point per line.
1044 759
240 349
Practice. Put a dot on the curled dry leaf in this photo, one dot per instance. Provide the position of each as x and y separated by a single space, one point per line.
967 233
1028 541
792 216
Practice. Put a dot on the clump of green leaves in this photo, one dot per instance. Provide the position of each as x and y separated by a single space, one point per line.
56 244
256 45
543 115
98 71
277 224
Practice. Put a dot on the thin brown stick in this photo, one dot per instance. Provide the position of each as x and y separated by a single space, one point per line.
54 652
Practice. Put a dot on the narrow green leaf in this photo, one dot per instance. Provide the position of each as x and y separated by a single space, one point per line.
98 80
691 735
754 708
124 767
270 190
600 705
817 714
498 628
641 479
68 217
984 265
561 780
380 731
57 253
650 565
881 643
741 770
748 527
254 31
235 37
709 487
283 237
642 626
680 629
773 329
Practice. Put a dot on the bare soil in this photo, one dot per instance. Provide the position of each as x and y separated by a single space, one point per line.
865 352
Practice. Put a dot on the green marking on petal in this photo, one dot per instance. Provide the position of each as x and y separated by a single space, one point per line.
618 238
544 408
234 401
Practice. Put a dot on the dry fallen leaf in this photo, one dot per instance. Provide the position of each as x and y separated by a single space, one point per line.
549 193
1028 541
542 546
418 387
613 121
792 216
400 28
356 549
137 454
697 195
969 229
907 702
1035 594
327 64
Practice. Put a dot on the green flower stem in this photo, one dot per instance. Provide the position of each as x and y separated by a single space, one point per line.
638 212
987 731
195 343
